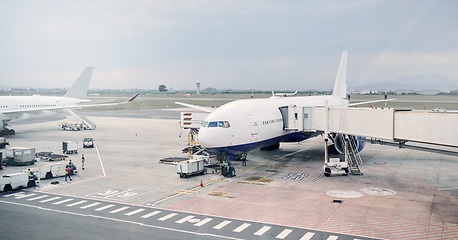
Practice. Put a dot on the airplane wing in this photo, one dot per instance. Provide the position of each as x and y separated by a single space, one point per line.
361 103
204 109
68 106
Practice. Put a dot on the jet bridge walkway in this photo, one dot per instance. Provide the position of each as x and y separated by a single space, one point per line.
383 124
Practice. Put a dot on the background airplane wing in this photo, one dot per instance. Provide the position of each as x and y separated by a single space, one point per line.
205 109
68 106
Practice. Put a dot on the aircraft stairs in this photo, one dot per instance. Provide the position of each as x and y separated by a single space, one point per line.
88 124
352 156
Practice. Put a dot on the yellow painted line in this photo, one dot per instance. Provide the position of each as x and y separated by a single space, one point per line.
221 179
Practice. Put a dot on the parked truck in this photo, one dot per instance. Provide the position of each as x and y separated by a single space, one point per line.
70 147
191 167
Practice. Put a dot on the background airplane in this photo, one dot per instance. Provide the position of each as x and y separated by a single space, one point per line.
27 109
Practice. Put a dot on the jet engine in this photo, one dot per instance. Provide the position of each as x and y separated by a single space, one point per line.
339 143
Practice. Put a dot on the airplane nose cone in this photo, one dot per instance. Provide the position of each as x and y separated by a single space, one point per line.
206 138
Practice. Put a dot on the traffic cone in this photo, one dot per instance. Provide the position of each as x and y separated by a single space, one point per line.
201 184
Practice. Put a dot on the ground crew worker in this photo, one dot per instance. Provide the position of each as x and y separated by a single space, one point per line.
82 162
30 174
243 159
67 173
69 163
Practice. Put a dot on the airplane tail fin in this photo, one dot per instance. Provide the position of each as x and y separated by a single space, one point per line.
80 86
340 86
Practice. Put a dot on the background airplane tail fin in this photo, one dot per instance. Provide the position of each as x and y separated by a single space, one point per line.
340 86
80 86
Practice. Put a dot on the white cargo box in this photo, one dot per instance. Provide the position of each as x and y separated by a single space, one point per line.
20 154
50 170
190 167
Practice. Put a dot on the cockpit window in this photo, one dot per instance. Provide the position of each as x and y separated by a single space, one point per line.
221 124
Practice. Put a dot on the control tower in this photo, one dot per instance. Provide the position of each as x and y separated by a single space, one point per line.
198 87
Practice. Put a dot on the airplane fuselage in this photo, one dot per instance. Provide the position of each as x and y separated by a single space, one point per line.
244 125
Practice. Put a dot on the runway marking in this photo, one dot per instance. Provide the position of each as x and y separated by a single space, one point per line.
63 201
49 199
262 230
24 196
90 205
222 224
332 237
105 207
100 159
119 210
150 214
135 212
242 227
36 198
167 217
124 221
201 223
307 236
185 219
76 203
283 234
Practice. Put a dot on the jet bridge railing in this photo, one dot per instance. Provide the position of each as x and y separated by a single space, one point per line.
438 128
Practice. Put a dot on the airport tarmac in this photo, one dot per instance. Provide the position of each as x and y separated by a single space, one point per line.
403 194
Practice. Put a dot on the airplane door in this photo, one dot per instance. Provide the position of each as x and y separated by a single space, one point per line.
253 125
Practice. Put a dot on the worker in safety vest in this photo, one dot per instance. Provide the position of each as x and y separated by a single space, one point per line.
67 173
243 159
82 162
30 174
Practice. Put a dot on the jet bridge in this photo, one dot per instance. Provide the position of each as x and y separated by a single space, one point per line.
401 125
385 126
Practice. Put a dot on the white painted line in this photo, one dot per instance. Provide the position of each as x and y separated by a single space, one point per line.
135 212
150 214
119 209
63 201
49 199
185 219
201 223
100 159
90 205
332 237
222 224
12 194
76 203
307 236
167 217
283 234
242 227
262 231
105 207
35 198
24 196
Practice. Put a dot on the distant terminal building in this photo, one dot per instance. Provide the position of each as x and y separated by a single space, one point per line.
404 91
430 92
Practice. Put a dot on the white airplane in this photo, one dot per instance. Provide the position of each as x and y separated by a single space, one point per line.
27 109
243 125
275 95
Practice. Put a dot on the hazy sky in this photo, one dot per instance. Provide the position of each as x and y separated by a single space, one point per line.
259 44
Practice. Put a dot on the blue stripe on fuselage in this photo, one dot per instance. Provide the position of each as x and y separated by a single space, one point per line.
290 137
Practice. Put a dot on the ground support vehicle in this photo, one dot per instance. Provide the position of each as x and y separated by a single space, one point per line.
50 170
20 156
70 147
335 166
16 181
71 126
88 143
49 156
3 142
191 167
